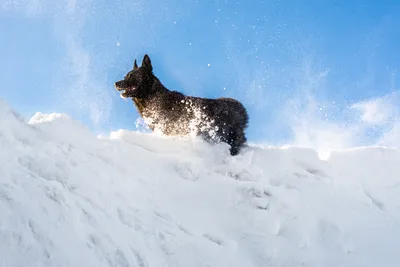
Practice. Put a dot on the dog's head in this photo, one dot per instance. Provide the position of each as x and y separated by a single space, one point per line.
137 82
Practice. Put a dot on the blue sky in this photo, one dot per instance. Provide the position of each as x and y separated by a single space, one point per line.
314 73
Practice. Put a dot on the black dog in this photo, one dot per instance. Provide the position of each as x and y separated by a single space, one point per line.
173 113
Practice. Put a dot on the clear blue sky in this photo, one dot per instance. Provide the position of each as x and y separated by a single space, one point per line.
289 62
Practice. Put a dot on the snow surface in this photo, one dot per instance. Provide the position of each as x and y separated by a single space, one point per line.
70 198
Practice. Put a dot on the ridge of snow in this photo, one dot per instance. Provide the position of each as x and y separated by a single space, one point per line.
69 198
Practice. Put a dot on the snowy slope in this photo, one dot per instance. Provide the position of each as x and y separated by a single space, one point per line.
69 198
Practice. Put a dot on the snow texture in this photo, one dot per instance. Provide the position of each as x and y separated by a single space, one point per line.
70 198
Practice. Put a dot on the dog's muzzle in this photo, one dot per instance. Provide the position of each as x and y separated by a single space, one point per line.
126 92
118 86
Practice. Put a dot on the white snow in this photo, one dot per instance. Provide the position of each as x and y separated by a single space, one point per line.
70 198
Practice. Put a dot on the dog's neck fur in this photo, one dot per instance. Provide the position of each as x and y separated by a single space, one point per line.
157 88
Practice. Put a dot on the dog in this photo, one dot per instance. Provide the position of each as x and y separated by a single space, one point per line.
175 114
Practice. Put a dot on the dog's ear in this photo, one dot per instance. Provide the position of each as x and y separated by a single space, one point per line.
146 63
135 66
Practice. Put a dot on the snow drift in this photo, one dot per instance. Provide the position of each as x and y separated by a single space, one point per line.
69 198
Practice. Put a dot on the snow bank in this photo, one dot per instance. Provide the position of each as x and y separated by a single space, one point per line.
69 198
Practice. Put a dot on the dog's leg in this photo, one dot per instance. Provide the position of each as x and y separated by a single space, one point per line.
236 140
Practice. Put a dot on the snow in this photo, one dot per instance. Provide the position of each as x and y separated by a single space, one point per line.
70 198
